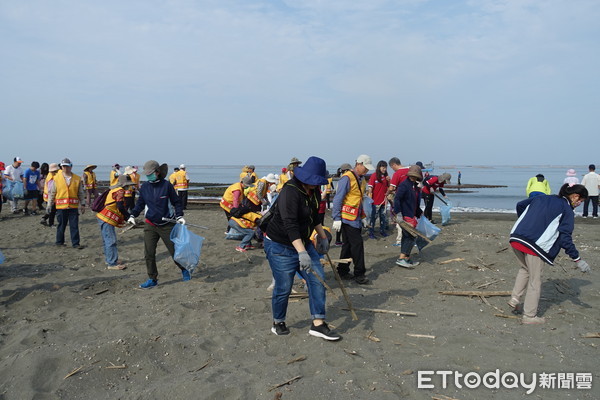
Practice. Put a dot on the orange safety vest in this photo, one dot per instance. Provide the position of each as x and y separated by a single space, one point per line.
227 199
110 213
248 220
90 181
67 196
181 182
172 178
353 199
135 178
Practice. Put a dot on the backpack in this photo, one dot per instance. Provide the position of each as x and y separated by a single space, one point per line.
98 203
268 216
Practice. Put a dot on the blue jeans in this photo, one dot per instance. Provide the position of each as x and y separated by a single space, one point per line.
67 216
383 224
284 264
109 238
247 232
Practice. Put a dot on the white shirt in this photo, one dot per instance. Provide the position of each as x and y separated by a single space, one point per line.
16 174
591 181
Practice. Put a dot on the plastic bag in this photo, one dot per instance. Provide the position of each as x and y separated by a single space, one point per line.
1 258
427 228
188 247
445 211
367 205
13 190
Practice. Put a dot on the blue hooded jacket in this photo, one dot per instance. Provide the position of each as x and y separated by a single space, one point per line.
545 226
158 196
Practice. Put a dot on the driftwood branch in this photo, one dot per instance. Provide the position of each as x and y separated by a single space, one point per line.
420 336
408 228
378 310
451 260
339 280
286 382
476 293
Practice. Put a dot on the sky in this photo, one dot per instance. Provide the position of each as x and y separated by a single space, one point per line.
229 82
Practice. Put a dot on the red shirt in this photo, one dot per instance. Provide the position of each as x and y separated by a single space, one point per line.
522 248
399 176
379 188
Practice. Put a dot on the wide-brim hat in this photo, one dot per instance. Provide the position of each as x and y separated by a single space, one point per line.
295 160
571 172
90 166
129 170
415 172
444 178
248 181
122 180
313 172
345 167
152 166
53 167
271 178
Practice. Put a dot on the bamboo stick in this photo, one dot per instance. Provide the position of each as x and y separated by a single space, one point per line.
286 382
408 228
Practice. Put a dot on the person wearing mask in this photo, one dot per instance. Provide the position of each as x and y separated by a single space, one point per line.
545 225
156 196
31 179
406 203
377 190
349 218
432 184
538 185
591 181
14 173
68 195
90 183
114 214
114 174
289 249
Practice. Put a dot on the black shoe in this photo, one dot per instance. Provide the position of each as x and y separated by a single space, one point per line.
79 247
361 280
279 329
43 222
323 332
346 276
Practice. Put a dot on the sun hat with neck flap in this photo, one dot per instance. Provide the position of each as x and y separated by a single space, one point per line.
313 172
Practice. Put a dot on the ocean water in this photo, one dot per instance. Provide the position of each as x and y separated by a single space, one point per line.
501 199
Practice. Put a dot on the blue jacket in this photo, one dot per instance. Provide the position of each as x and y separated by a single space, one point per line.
159 197
545 226
407 199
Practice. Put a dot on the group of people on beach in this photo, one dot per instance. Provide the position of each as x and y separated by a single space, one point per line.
285 213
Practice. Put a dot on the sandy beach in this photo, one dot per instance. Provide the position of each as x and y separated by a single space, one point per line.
71 329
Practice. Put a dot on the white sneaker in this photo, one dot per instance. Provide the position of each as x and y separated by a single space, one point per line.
532 320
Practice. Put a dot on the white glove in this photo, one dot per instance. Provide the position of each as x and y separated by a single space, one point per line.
305 261
583 266
337 226
180 220
365 223
131 220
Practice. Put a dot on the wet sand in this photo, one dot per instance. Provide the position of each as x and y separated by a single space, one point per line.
63 312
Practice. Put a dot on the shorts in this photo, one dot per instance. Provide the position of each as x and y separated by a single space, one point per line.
32 195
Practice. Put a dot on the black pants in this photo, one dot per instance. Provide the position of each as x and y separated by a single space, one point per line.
428 199
183 195
151 235
594 200
49 218
353 247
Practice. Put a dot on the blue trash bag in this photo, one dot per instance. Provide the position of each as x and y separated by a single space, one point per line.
1 258
13 190
445 211
427 228
188 247
367 205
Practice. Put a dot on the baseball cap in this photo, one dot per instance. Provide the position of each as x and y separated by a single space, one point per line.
18 159
366 161
66 162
